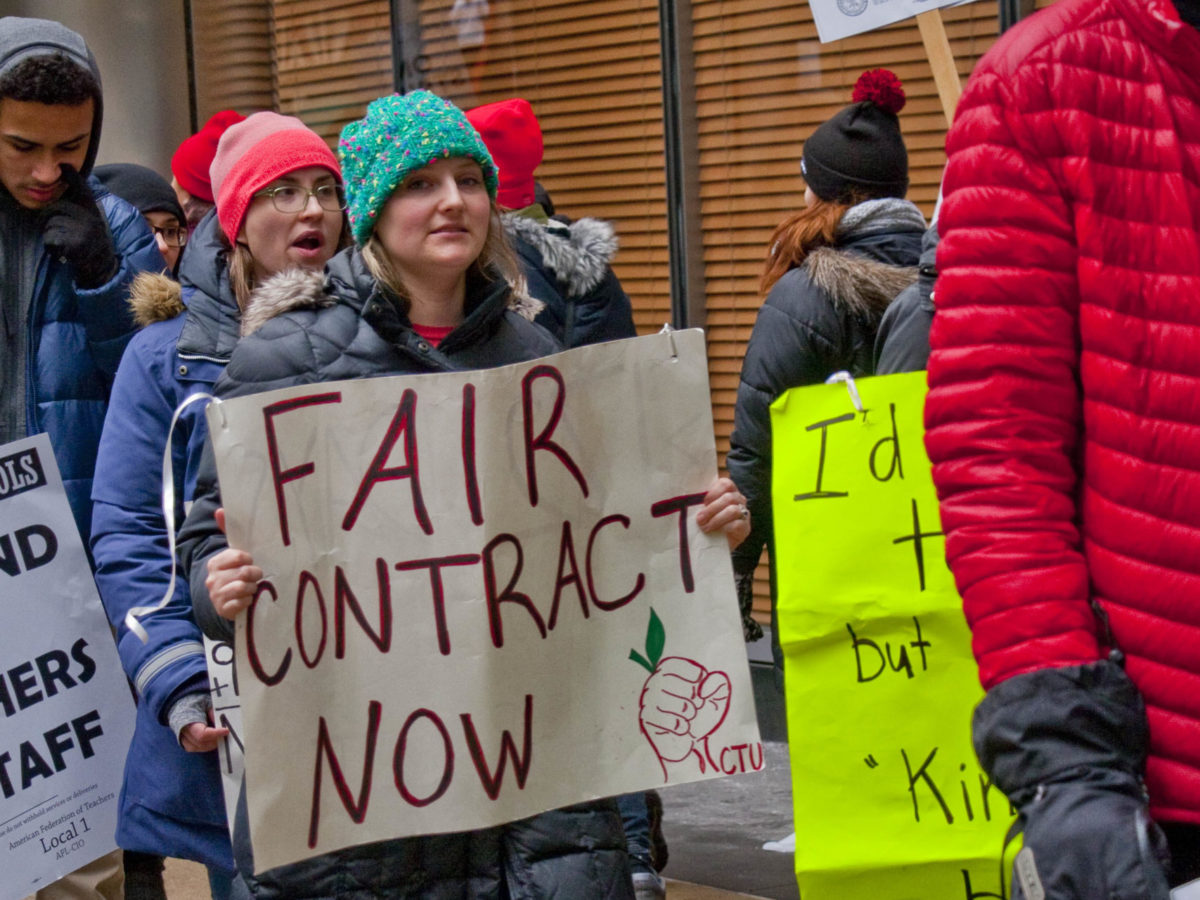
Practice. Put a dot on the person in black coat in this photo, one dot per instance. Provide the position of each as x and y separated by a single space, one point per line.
567 265
830 273
426 288
902 343
171 801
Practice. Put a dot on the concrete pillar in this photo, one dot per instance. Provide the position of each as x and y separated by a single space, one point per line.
141 48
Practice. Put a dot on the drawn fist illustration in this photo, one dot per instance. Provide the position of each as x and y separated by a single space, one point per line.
682 703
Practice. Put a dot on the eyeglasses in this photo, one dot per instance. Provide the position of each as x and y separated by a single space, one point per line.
173 236
291 198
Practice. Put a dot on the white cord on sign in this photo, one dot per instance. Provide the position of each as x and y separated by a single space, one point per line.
846 378
168 509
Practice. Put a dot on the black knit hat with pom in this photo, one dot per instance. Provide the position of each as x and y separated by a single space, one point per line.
859 151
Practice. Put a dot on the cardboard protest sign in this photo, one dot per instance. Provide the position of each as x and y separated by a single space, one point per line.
65 704
485 595
889 799
837 19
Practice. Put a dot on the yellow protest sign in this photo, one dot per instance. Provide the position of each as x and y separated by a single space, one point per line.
889 800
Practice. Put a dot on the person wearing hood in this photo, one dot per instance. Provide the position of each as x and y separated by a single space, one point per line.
831 271
902 342
567 266
154 199
68 252
279 205
427 288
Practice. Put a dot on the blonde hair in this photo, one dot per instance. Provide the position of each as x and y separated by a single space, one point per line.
496 259
241 273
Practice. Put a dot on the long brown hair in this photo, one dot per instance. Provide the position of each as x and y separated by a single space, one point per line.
496 258
797 236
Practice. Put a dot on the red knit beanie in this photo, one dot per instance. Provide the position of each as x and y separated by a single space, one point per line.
513 137
253 153
190 163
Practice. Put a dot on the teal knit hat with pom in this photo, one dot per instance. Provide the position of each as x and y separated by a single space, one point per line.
400 134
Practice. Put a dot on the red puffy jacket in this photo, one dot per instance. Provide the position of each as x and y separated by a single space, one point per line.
1063 414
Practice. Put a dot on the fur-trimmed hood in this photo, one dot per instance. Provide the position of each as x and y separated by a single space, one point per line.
154 297
303 327
305 289
286 291
578 254
861 275
856 284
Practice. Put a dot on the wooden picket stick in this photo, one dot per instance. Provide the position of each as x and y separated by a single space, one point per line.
941 60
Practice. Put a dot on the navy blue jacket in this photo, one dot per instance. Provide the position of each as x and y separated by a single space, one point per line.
74 337
171 800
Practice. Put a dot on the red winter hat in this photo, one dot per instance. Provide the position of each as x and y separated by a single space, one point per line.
190 163
513 137
253 153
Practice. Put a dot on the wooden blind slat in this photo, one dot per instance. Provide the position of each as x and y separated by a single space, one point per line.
331 58
232 54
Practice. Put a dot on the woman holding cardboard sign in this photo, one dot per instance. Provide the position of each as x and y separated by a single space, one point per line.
429 287
279 204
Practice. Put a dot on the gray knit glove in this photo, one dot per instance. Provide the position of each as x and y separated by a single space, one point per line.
188 709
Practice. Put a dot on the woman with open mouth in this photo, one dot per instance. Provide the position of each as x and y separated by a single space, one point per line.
280 205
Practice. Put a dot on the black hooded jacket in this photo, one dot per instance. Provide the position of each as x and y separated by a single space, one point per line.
568 268
902 344
819 318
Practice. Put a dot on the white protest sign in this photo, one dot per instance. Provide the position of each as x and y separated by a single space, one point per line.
66 707
837 19
485 595
227 713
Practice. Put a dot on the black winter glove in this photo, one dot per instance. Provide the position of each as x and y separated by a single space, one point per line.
1068 747
74 228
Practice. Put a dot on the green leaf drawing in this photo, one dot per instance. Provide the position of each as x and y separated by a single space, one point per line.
656 639
641 661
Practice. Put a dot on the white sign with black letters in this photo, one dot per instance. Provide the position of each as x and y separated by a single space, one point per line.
66 708
227 713
837 19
